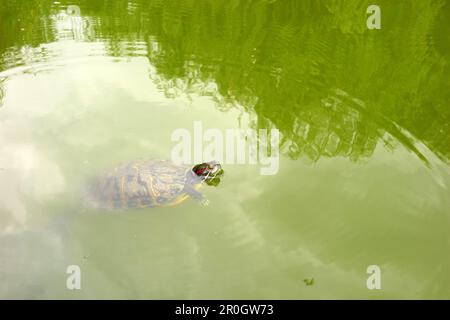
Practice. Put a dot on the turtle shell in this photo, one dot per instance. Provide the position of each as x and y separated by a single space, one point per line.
138 184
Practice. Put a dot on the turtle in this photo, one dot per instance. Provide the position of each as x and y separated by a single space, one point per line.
151 183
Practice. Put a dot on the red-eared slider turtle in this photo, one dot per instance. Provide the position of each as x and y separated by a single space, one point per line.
151 183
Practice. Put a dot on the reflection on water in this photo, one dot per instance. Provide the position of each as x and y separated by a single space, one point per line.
264 57
86 84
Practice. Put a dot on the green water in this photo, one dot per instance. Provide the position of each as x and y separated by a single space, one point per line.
364 170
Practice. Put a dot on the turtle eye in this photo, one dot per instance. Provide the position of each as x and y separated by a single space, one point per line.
214 169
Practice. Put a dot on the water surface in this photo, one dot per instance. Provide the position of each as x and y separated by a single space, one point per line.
364 165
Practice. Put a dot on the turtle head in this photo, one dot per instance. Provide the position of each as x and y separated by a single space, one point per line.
209 172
